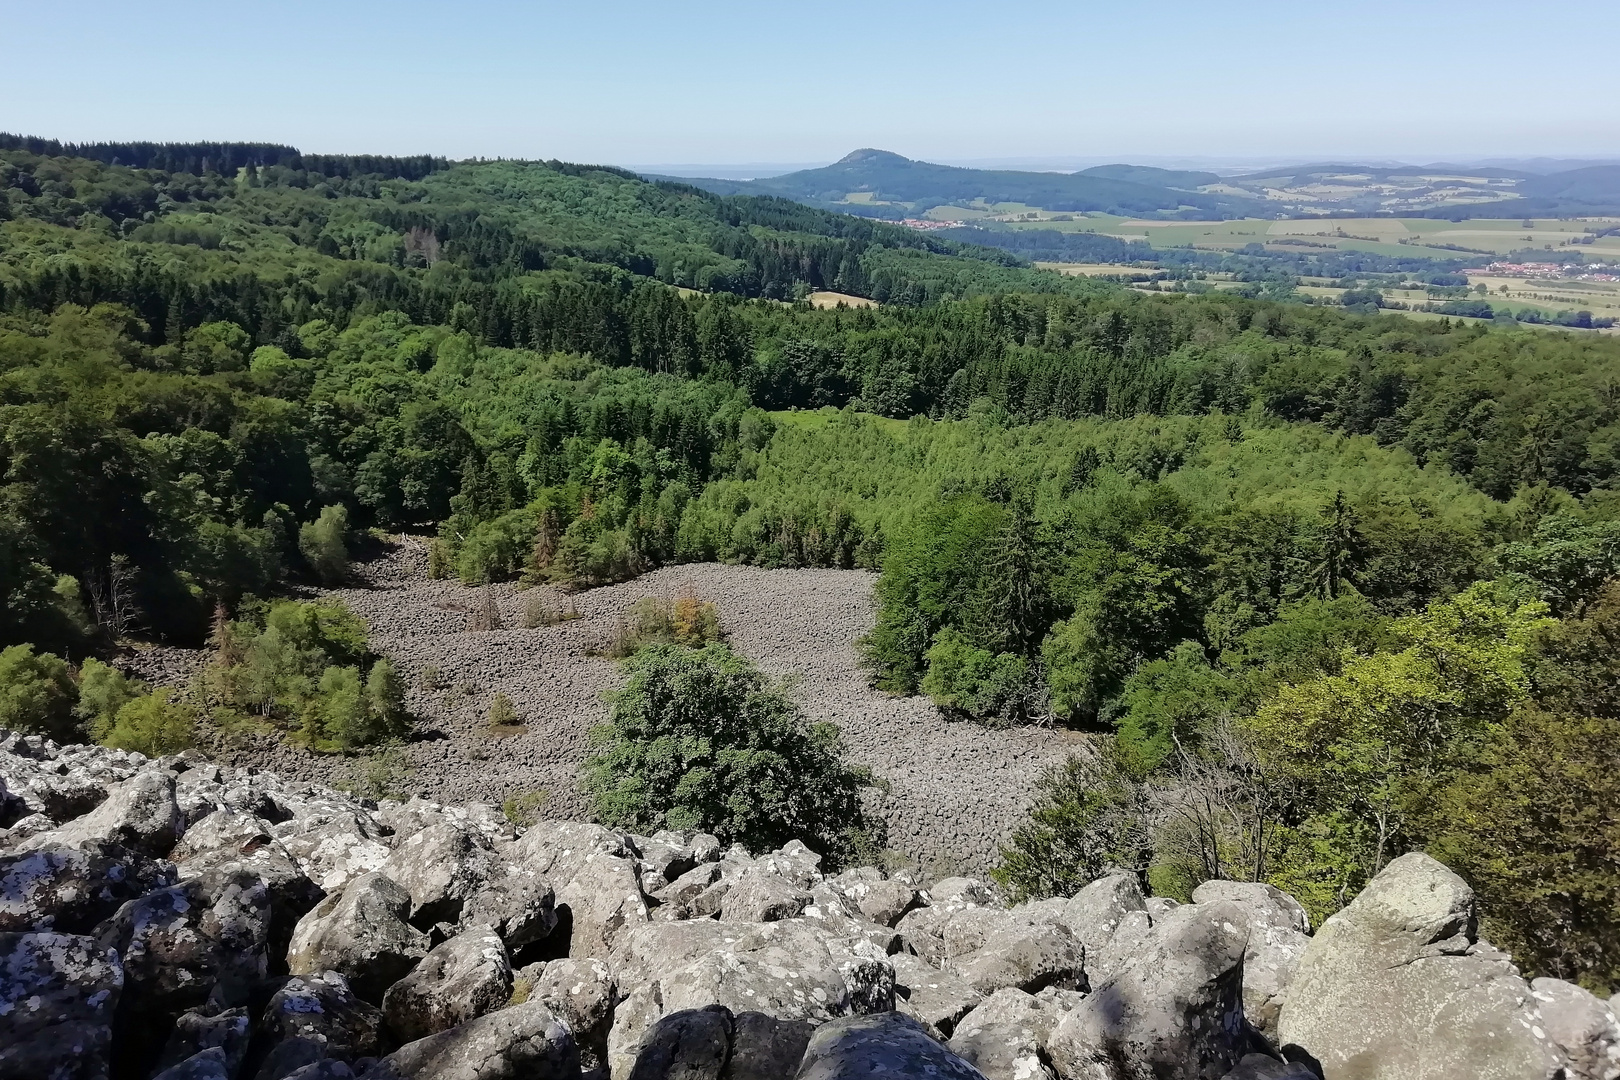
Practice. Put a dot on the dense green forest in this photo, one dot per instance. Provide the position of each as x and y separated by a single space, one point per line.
1326 586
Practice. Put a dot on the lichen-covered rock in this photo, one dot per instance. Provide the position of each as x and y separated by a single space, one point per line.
523 1042
604 902
362 933
72 889
324 1009
1029 956
884 1044
765 1048
189 942
932 997
1584 1027
459 980
333 848
440 866
1005 1036
518 905
197 1030
689 1044
58 994
1397 985
762 895
582 993
209 1064
1278 925
883 902
1174 1013
140 814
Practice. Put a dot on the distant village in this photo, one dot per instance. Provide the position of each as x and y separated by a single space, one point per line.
1589 272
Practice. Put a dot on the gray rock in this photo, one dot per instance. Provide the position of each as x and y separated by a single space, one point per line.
1005 1036
362 933
685 889
1132 935
196 1030
930 996
705 848
883 902
760 895
207 1064
1277 939
604 901
765 1048
581 993
140 814
1261 1067
333 849
523 1042
1030 957
183 944
885 1044
961 890
440 866
1583 1026
72 889
58 993
558 850
291 1056
330 1069
323 1009
519 906
464 978
691 1044
1176 1013
1097 911
1267 905
1391 986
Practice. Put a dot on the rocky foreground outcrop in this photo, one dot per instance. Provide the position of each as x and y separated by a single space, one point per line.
180 920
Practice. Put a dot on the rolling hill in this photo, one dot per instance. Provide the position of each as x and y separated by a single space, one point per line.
877 183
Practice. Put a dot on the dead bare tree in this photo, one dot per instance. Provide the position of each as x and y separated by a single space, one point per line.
112 596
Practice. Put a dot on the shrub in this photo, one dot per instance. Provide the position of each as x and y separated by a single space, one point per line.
1088 818
698 740
103 690
37 694
523 809
544 610
968 682
324 544
501 712
654 620
152 725
381 775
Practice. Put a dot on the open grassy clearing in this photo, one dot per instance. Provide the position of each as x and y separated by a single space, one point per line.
829 299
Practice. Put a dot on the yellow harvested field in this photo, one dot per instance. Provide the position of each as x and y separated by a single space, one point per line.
833 299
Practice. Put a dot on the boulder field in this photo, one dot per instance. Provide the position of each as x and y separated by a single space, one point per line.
183 920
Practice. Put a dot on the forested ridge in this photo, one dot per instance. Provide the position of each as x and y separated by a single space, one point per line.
1346 579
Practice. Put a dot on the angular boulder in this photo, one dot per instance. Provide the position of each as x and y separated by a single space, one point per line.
523 1042
604 901
885 1044
519 906
933 998
198 1030
1005 1036
1027 956
362 933
140 814
440 866
581 993
72 889
1397 985
760 895
1278 925
323 1009
1174 1013
1583 1025
459 980
58 994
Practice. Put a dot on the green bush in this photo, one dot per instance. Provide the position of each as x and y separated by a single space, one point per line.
37 694
324 544
698 740
152 725
103 691
969 682
1089 818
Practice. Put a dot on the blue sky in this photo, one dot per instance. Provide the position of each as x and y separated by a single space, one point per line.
642 83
